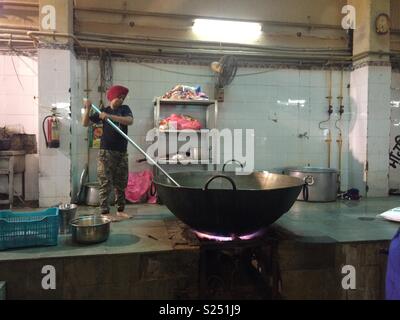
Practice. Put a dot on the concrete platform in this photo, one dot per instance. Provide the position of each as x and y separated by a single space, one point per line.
143 259
341 221
145 232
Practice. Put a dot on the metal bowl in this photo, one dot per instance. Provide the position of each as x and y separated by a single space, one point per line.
90 229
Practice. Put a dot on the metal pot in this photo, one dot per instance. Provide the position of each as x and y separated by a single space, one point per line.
92 194
66 214
90 229
321 183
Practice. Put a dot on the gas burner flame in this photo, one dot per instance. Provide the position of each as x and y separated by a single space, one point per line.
207 236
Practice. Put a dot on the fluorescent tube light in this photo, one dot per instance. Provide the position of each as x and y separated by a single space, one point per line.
226 31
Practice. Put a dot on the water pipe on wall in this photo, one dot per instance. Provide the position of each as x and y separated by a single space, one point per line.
328 139
340 140
35 34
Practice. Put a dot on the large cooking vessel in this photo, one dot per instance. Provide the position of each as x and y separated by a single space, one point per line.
322 183
226 204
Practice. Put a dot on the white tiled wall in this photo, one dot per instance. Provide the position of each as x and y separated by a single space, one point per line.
369 129
54 90
379 82
257 98
394 173
358 128
253 100
19 109
79 142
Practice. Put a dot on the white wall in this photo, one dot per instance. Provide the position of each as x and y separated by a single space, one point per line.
358 128
79 141
54 90
394 173
251 101
19 108
369 129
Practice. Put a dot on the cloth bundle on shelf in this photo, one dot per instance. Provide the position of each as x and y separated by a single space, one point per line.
182 92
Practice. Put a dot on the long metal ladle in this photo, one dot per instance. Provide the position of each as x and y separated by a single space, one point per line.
136 146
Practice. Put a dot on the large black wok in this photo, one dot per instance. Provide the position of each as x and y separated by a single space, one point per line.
226 204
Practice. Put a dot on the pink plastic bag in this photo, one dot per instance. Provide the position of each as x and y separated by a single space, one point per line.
138 188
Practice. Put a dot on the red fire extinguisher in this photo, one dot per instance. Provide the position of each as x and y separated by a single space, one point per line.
52 134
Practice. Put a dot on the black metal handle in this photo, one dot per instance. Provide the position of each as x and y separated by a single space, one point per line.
233 160
220 176
305 192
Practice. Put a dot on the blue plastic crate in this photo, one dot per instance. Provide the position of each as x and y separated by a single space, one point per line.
28 229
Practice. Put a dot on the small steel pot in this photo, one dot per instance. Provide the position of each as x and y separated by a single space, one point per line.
90 229
92 194
66 214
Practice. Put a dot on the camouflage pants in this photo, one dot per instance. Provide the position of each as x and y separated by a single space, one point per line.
112 170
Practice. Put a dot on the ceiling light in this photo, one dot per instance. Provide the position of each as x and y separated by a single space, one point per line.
226 31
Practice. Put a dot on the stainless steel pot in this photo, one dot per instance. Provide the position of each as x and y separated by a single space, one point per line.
90 229
92 193
66 214
322 183
92 197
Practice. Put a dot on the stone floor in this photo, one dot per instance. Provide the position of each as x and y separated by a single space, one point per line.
142 259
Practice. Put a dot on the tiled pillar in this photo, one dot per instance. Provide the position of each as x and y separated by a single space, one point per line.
55 63
369 129
379 79
394 166
54 67
79 134
358 129
370 101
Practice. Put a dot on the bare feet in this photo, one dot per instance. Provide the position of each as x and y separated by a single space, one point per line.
123 215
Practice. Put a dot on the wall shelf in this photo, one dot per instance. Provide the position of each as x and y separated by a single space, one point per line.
183 131
211 114
205 103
